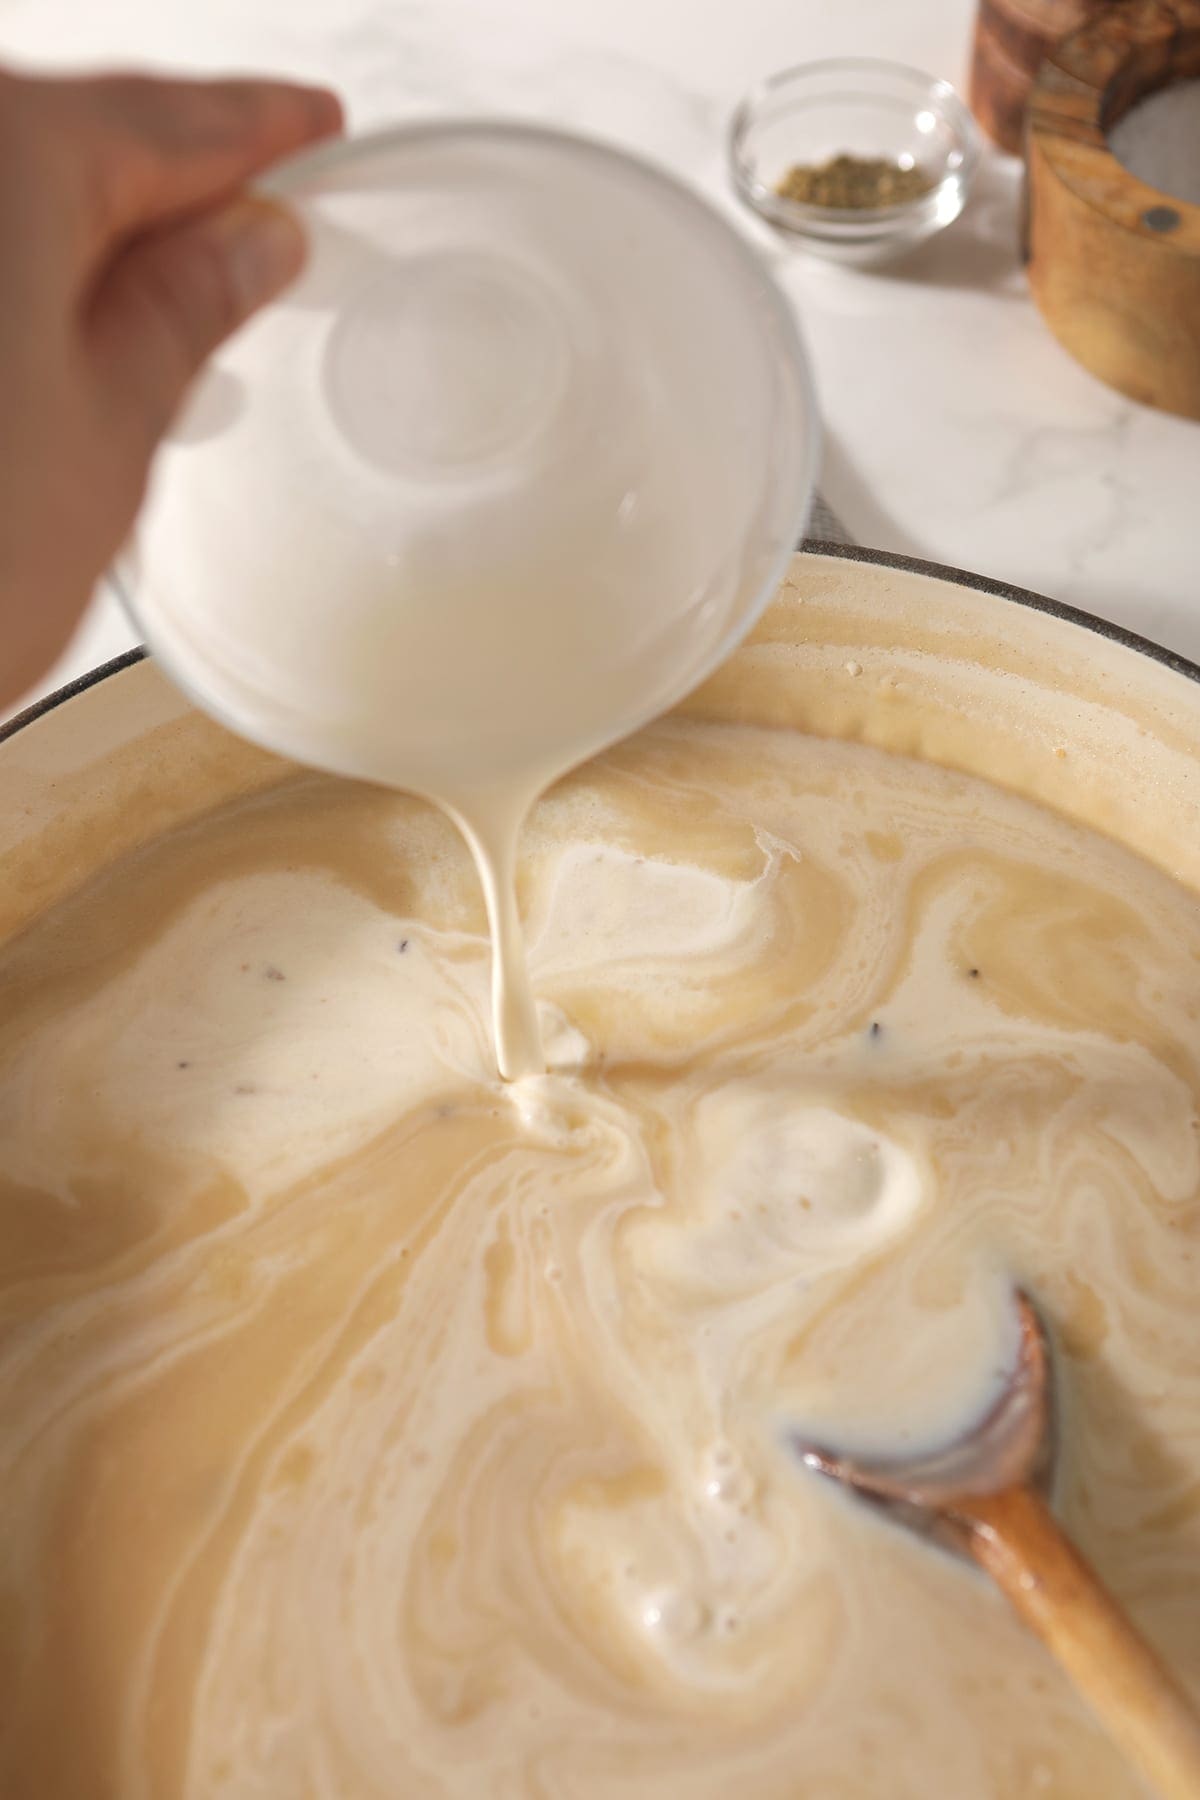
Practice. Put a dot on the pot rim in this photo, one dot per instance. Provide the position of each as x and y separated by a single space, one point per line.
915 565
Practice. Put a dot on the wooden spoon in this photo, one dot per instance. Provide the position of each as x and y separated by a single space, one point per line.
984 1496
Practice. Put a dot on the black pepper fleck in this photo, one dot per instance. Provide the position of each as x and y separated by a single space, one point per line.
403 945
876 1028
973 974
183 1065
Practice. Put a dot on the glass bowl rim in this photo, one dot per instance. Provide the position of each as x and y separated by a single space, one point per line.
799 215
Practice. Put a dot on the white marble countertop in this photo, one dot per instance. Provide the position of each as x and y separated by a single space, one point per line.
956 428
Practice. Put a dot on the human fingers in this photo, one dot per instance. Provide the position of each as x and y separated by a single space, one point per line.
135 152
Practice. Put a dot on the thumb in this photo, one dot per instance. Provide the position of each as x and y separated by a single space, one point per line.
172 297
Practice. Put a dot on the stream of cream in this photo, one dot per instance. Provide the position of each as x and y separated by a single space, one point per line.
491 825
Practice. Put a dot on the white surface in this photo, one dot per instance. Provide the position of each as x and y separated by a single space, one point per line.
957 429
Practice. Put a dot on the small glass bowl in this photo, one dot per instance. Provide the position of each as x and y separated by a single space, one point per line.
866 108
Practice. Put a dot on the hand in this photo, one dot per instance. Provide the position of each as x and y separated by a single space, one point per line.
128 251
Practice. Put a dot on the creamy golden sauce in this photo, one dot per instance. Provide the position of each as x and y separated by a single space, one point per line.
370 1428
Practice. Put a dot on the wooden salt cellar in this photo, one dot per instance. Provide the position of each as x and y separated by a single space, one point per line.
1114 265
1011 38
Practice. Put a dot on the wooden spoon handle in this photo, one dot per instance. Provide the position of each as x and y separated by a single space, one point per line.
1015 1537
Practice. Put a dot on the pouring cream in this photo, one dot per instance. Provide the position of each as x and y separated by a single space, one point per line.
510 470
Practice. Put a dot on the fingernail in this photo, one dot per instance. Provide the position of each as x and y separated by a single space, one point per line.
264 246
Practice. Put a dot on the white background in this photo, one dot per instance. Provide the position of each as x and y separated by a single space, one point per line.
956 428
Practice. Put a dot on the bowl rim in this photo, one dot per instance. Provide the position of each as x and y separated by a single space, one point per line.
780 212
853 553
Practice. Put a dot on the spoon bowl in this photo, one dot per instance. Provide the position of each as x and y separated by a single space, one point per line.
984 1496
1013 1445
